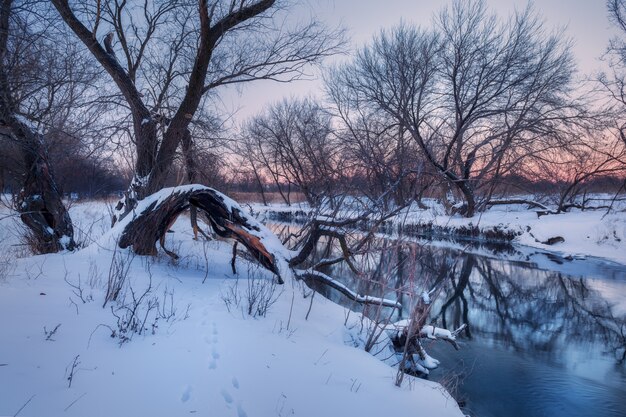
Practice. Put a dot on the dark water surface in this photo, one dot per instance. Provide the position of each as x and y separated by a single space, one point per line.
541 342
546 335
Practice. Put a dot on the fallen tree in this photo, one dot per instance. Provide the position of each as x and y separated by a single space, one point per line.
153 217
156 214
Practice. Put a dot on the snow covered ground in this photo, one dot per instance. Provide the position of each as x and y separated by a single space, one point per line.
585 233
200 353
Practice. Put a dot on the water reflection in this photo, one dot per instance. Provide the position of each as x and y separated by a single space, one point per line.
528 309
542 339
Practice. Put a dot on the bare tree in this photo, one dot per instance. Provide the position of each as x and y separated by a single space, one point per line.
614 82
572 169
39 202
469 90
378 153
165 56
293 144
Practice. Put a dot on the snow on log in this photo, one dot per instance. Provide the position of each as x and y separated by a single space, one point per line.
313 275
530 203
430 332
155 214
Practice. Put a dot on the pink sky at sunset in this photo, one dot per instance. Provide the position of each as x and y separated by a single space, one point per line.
585 21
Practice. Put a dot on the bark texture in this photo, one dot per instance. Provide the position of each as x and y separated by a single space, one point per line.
227 220
39 202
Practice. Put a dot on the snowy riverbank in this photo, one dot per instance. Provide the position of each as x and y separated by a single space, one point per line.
62 353
585 233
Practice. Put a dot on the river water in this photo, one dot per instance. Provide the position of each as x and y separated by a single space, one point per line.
541 342
546 335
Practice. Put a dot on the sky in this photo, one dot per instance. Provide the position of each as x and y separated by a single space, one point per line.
585 21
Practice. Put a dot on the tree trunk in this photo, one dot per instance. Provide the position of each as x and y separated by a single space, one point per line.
158 212
39 202
468 209
191 168
470 201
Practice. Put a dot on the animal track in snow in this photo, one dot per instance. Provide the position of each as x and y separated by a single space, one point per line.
214 353
240 411
227 397
235 383
186 394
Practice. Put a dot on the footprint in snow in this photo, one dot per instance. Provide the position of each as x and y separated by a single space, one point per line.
240 411
227 397
235 383
186 394
214 354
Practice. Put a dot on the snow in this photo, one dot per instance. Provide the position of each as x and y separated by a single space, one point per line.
64 241
269 240
586 233
428 331
203 360
28 123
432 332
592 233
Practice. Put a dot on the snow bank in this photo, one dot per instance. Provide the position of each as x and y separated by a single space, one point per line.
586 233
215 362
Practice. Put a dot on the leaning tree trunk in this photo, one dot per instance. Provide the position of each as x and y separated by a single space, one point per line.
39 202
156 214
190 165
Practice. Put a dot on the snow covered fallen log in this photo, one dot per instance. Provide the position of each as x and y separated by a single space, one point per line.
154 215
429 332
530 203
406 336
317 276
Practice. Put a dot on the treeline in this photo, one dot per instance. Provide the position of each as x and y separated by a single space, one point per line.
469 109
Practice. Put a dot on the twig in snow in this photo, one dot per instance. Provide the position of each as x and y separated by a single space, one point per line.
72 370
320 358
51 333
310 306
74 402
25 404
290 309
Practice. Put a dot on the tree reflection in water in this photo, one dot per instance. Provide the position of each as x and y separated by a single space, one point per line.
550 335
529 309
511 303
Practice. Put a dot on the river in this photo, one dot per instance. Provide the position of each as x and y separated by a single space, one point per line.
546 335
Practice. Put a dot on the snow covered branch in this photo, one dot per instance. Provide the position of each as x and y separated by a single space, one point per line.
312 275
